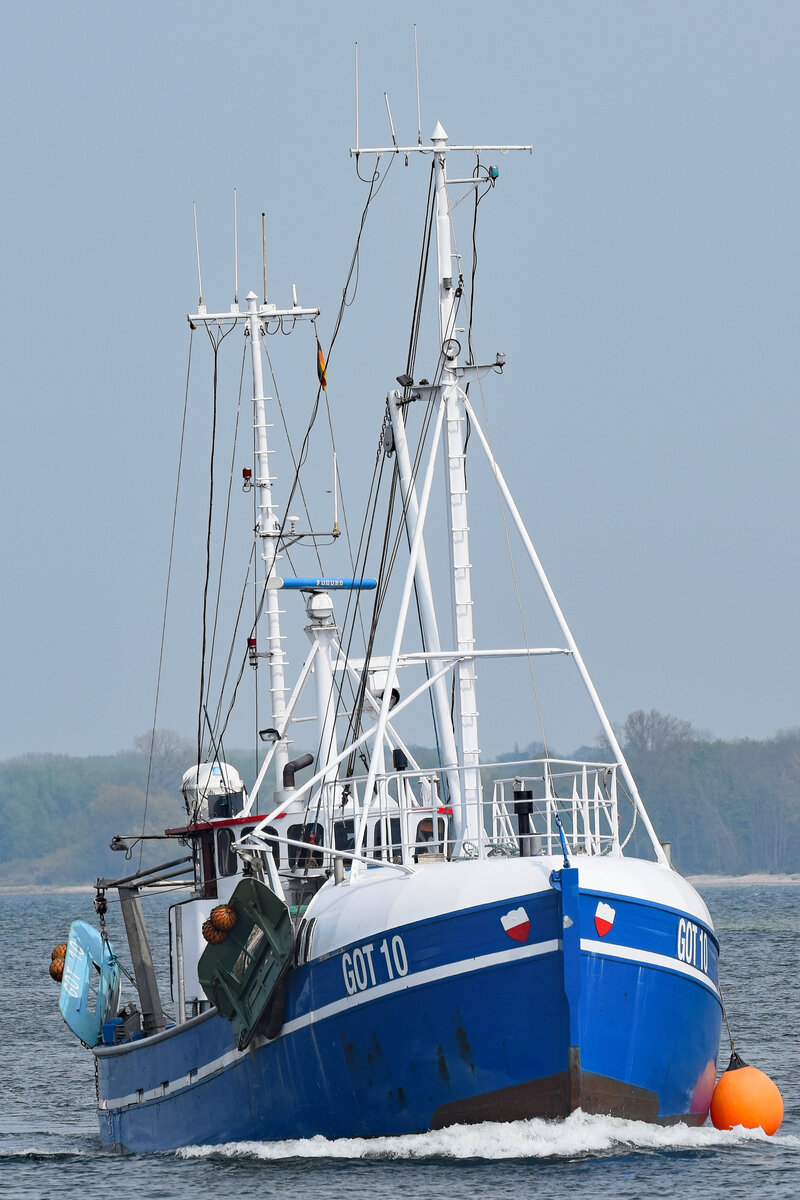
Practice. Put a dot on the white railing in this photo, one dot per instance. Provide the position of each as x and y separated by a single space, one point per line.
583 795
409 822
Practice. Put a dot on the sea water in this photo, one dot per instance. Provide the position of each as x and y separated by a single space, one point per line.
49 1144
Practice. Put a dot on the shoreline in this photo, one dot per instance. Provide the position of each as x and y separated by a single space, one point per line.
47 889
756 880
698 881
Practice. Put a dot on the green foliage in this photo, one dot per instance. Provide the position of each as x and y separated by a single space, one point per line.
60 813
726 807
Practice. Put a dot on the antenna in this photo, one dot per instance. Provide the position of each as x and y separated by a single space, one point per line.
356 97
416 64
197 252
235 250
391 122
264 251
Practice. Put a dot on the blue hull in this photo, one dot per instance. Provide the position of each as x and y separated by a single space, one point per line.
451 1019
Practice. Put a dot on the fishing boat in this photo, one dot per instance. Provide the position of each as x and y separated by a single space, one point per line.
368 940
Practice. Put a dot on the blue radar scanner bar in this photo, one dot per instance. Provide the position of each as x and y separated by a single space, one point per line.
312 584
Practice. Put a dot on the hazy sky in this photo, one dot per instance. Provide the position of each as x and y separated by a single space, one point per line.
640 271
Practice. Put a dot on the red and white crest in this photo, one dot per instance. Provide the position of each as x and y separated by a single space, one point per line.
517 924
604 916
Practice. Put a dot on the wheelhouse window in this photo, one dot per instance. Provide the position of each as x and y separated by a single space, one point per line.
386 833
227 862
275 849
312 833
344 837
430 835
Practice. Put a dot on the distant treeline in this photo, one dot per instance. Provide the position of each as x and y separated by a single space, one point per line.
60 813
726 807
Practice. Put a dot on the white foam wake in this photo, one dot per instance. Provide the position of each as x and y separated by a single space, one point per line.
578 1136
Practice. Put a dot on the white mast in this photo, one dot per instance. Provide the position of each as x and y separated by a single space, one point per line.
456 481
268 528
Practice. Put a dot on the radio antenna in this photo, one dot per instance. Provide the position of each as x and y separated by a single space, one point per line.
356 97
264 251
235 250
197 252
391 122
416 64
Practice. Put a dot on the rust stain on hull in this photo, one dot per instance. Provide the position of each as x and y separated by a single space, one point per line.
557 1096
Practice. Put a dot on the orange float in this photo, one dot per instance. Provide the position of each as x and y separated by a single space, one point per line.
56 969
212 934
60 951
746 1096
223 917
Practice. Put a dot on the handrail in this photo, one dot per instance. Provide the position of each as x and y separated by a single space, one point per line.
321 848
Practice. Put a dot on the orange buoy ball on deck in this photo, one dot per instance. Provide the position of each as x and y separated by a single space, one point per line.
223 917
56 969
212 934
746 1096
60 951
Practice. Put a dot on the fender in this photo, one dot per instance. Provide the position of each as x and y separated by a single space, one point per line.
90 984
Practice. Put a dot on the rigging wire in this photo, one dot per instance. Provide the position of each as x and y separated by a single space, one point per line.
301 457
474 266
354 600
517 590
355 259
216 343
291 447
235 636
357 711
227 522
166 593
422 273
391 546
390 549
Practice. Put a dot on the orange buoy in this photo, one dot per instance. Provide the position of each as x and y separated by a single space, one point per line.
746 1096
223 917
56 969
212 934
60 951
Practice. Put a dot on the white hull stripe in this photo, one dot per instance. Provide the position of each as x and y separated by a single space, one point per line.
609 950
406 983
215 1067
